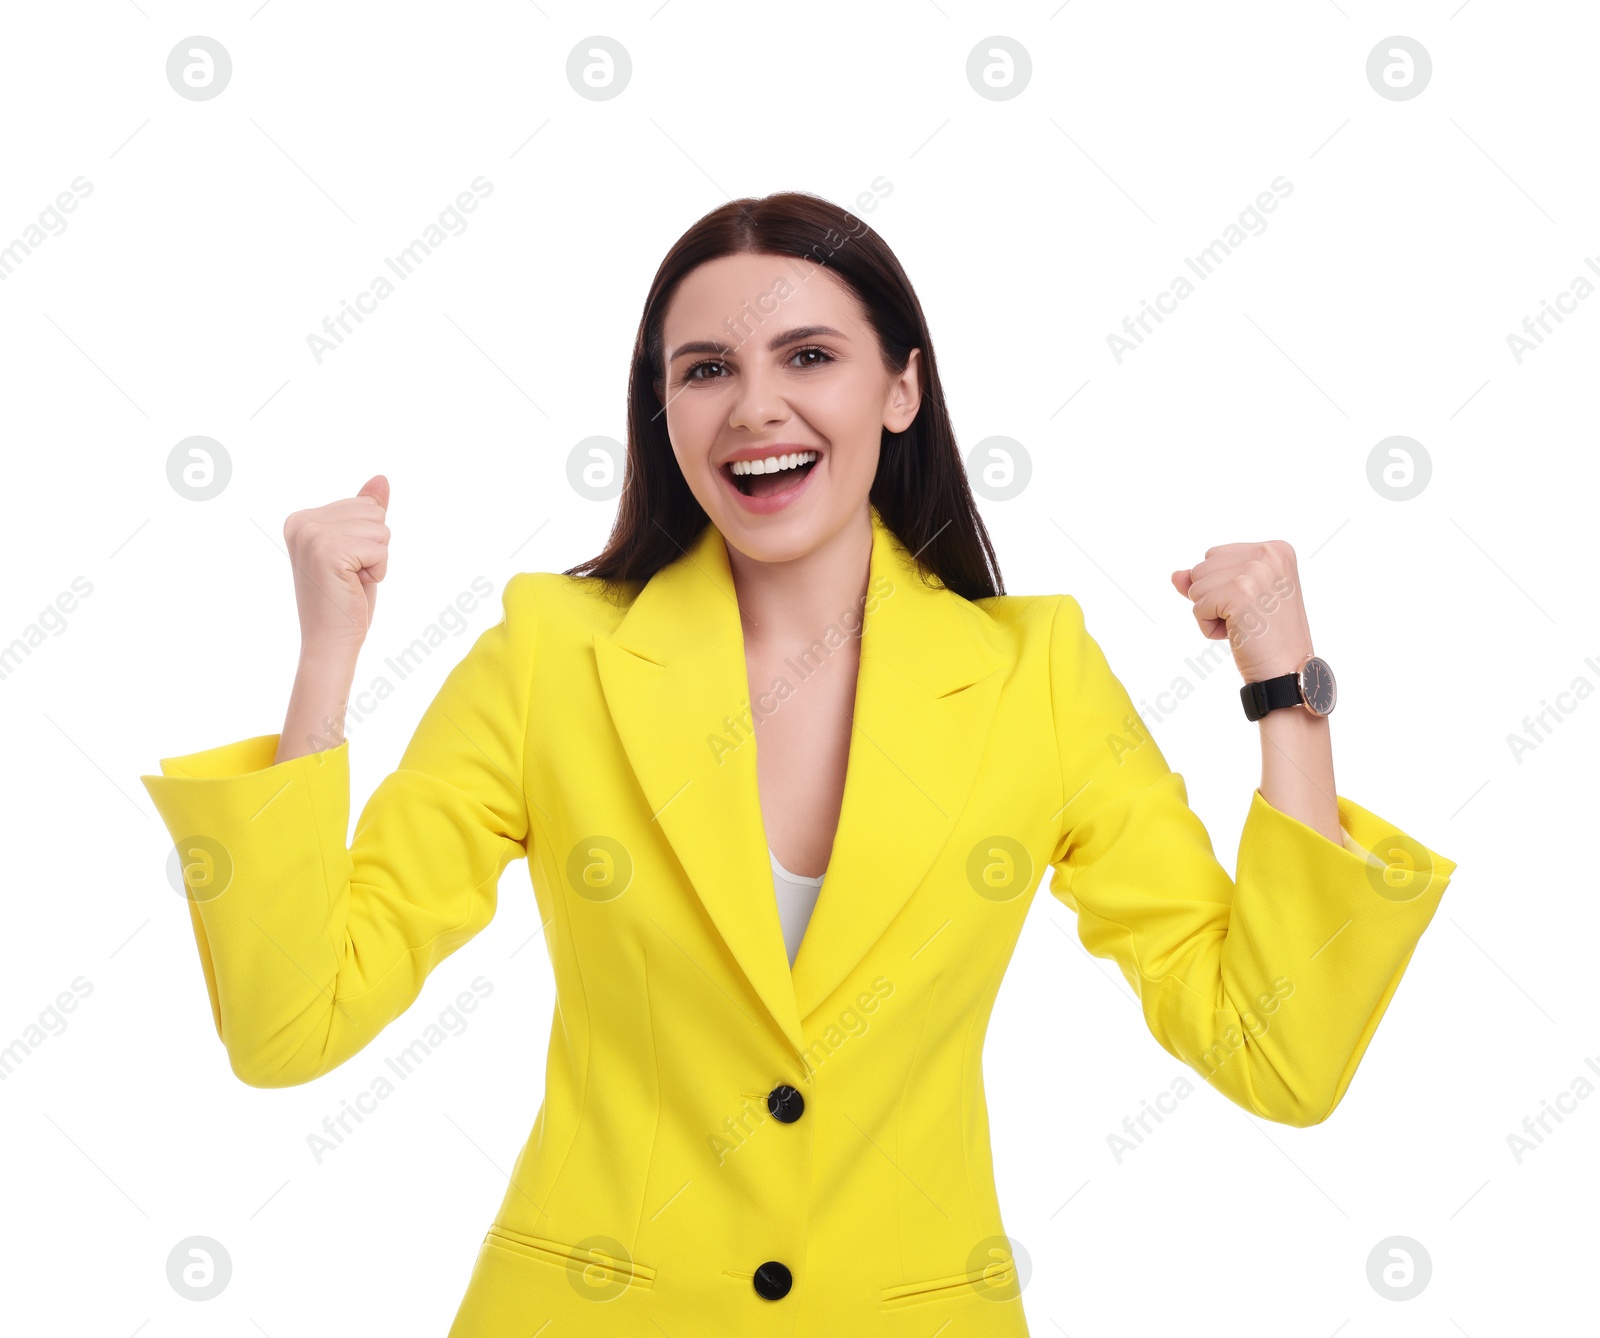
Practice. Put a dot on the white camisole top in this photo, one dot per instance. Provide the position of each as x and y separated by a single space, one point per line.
797 898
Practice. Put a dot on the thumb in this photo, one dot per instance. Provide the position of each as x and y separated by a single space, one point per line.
376 487
1182 580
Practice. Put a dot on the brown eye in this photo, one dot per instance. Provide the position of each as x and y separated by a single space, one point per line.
689 375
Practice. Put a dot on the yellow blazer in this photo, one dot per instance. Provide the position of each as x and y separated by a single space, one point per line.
673 1182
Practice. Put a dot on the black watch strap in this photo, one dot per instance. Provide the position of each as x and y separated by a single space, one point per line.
1270 694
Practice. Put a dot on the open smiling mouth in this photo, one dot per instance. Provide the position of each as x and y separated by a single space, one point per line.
759 478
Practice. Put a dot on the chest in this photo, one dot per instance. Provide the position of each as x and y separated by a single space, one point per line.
803 709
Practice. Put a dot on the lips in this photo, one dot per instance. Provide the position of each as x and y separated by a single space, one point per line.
765 492
770 450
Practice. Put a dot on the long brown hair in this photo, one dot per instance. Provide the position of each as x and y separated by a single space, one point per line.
920 489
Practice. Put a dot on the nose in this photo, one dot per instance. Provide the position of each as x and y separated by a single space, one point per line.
759 400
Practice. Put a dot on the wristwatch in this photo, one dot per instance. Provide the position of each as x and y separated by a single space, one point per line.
1311 686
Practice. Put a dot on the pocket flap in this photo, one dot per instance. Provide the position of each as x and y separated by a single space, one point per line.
997 1281
599 1259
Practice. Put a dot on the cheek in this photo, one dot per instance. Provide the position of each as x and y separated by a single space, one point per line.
850 416
692 430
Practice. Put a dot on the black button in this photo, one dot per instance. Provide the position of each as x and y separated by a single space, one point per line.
785 1103
773 1280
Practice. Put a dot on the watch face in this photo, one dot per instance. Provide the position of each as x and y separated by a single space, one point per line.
1317 686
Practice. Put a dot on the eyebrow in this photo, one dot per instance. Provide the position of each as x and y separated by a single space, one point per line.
773 345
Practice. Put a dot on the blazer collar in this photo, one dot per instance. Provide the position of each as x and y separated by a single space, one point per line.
676 684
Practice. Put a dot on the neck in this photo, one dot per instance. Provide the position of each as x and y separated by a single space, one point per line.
784 605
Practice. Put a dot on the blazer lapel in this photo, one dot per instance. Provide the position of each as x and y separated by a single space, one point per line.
676 684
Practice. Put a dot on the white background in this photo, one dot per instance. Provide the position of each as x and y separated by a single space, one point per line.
1377 302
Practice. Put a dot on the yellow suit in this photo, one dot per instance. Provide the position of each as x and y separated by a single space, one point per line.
659 1192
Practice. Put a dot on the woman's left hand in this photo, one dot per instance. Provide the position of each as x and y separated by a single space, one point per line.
1250 593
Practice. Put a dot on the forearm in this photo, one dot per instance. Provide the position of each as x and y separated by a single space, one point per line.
1297 769
315 718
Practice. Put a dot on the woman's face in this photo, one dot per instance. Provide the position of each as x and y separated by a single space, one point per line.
768 359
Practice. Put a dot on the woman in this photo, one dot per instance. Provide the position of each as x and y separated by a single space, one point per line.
794 660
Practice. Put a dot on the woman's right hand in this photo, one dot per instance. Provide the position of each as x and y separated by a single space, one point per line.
339 553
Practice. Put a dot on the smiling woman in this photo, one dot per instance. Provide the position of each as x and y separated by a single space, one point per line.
778 327
789 457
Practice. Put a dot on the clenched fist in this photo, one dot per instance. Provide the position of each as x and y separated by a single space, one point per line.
1250 594
339 553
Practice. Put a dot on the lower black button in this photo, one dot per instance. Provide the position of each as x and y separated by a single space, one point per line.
785 1103
773 1280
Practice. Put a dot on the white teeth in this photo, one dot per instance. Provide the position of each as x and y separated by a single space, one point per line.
773 463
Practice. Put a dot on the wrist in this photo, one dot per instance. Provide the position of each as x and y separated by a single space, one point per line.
1276 664
329 655
1292 722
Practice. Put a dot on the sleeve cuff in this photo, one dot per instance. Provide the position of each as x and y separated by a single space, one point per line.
228 759
1397 866
237 790
1339 922
233 807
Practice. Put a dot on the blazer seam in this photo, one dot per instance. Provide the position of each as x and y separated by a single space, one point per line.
1055 732
655 1130
966 1135
527 694
557 904
899 1110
